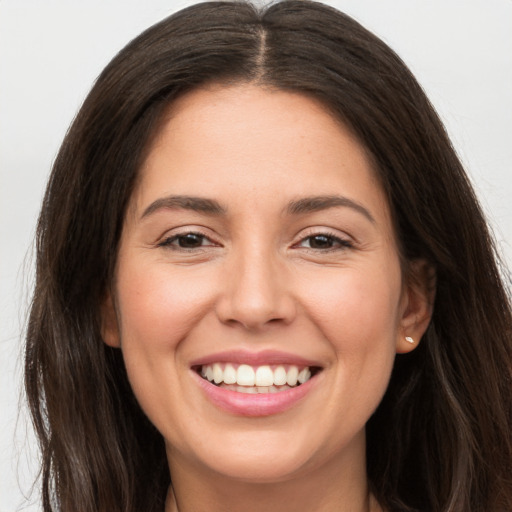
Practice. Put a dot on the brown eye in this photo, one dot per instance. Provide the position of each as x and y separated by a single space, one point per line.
186 241
321 242
190 240
324 241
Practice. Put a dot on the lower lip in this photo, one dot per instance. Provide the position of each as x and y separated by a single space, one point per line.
257 404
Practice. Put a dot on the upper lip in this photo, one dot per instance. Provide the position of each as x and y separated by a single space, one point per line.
264 357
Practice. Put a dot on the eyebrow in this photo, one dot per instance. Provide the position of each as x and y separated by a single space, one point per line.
197 204
296 207
318 203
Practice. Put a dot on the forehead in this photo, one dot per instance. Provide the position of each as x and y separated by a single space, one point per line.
252 143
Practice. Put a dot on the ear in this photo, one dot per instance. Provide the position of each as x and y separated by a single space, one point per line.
109 324
417 305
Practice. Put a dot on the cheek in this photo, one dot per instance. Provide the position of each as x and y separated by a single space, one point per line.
159 304
358 314
158 307
357 308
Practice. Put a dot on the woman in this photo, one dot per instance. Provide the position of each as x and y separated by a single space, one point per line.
252 213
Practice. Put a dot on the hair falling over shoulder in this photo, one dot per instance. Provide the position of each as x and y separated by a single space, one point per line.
441 440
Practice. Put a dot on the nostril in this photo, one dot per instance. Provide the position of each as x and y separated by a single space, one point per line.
255 297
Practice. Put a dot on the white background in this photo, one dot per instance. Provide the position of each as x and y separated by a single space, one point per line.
52 50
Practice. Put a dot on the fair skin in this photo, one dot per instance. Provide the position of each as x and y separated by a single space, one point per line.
261 274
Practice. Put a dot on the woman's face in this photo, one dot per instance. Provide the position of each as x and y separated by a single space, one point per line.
258 245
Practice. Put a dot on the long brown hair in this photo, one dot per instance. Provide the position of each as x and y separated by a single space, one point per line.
441 439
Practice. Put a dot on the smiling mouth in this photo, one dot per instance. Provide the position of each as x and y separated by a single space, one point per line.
244 378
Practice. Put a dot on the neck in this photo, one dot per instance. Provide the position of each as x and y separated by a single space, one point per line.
368 504
333 487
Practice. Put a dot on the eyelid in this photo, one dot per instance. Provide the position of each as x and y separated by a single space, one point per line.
345 241
175 233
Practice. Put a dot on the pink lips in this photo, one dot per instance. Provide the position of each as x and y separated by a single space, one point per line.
270 357
261 404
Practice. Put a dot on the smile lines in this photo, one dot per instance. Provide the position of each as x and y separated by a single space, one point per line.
255 379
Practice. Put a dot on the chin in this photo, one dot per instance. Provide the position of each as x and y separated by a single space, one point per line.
256 458
260 470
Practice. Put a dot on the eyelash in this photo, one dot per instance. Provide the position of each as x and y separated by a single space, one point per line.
330 238
168 242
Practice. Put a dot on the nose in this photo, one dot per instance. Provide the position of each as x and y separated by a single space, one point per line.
256 292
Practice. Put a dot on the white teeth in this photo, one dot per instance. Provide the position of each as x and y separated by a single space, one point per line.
264 376
292 375
254 389
245 375
263 379
229 374
279 376
304 375
218 374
